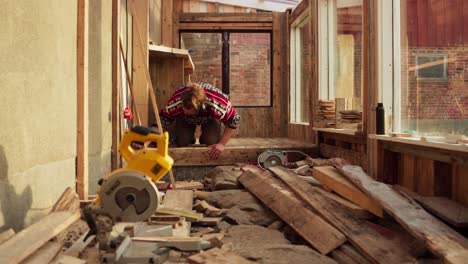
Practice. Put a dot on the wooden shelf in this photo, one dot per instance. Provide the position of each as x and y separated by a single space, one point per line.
417 141
156 51
344 131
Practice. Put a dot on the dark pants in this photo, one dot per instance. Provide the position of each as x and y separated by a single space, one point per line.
211 132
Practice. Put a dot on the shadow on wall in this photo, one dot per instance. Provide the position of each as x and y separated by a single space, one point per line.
14 206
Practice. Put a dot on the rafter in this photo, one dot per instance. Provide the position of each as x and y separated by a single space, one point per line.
267 5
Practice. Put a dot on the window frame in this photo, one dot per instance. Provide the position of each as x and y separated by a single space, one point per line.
294 73
226 67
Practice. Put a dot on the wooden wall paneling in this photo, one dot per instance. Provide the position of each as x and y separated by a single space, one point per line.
277 54
460 184
442 179
177 73
465 21
167 23
82 100
177 10
115 84
228 9
285 75
140 63
406 175
424 176
186 6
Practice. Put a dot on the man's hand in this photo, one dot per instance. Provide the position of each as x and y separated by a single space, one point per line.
215 151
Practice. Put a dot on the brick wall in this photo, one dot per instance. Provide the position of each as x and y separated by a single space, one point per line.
435 100
249 64
250 69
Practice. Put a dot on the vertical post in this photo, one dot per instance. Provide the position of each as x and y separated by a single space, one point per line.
82 100
140 63
276 72
225 64
166 23
115 84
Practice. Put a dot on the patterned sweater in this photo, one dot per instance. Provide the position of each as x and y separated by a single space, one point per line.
217 106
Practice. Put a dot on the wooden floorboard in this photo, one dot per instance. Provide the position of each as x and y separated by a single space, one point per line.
238 150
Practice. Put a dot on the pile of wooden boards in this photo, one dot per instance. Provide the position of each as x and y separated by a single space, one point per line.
37 243
326 113
327 223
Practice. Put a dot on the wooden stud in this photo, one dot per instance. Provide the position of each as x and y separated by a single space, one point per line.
82 100
115 85
130 83
277 74
167 23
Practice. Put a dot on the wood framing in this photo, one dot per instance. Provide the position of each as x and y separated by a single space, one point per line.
277 74
82 100
140 62
226 26
166 23
226 17
115 84
273 6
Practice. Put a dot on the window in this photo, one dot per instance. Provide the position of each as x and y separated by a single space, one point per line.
429 66
300 72
340 56
238 63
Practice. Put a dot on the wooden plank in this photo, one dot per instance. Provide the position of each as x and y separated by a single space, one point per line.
5 235
277 74
371 243
334 180
225 18
82 147
44 254
189 215
310 226
217 255
65 259
177 10
79 245
33 237
351 207
68 201
166 23
448 210
115 161
439 238
178 199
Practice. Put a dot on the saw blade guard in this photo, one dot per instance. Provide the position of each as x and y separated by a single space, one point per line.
129 196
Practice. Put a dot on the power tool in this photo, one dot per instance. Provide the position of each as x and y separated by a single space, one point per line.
130 194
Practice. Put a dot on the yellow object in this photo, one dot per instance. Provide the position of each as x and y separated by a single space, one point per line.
153 162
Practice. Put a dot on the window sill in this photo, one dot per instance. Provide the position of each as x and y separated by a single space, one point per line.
418 142
344 131
299 123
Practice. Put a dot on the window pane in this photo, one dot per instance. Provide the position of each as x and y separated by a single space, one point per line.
434 67
300 72
346 54
205 50
250 69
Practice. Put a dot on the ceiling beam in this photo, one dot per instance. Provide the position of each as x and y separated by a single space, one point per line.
274 6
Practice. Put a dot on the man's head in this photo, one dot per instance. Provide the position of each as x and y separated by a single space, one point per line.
193 99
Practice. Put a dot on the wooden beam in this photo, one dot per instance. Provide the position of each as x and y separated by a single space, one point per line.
370 242
217 255
167 23
115 84
226 26
277 74
82 100
226 18
282 202
44 254
35 236
438 237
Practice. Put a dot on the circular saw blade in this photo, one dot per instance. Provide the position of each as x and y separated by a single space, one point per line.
129 196
272 161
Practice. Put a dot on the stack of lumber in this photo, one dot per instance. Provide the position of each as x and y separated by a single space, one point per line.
331 226
350 116
326 113
37 243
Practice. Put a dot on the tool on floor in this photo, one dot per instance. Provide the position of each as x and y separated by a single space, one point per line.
130 194
272 157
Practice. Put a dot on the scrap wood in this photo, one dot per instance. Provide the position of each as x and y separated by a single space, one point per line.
278 224
334 180
189 185
66 259
5 235
79 245
35 236
446 209
201 194
178 199
208 209
375 246
209 221
202 232
217 255
275 195
68 201
44 254
438 237
189 215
